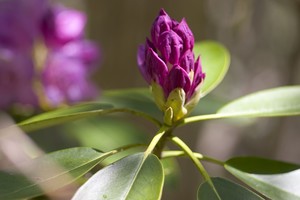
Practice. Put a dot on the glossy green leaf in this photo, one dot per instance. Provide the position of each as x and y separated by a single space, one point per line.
283 101
215 60
51 171
64 115
227 191
132 177
274 179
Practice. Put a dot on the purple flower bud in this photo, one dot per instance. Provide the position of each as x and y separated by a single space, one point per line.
62 25
168 64
65 80
16 77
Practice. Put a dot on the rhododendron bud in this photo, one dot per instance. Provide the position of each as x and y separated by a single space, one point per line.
168 64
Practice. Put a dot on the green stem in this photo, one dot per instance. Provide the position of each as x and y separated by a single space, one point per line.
170 154
190 153
156 139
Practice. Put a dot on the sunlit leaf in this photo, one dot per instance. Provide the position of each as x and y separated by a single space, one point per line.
64 115
215 60
227 190
51 171
274 179
281 101
132 177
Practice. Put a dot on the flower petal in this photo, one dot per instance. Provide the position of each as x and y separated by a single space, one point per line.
178 78
156 67
161 24
170 45
183 30
187 61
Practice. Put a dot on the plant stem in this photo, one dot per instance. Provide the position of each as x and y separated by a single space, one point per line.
157 138
190 153
170 154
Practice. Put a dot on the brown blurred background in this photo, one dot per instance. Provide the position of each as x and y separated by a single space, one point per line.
263 39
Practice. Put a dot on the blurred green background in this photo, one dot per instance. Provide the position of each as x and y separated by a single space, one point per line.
263 39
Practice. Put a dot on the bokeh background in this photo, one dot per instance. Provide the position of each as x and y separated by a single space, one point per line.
263 38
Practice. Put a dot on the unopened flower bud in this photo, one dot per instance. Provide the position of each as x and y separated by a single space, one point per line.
168 65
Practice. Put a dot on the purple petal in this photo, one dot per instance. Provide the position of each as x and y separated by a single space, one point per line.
170 46
187 61
178 78
156 67
141 57
183 30
161 24
199 77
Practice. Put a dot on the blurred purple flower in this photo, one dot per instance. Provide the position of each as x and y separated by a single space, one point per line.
167 63
65 80
16 74
62 25
71 58
19 22
87 51
69 61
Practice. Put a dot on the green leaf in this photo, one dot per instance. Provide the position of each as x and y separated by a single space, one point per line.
215 60
133 177
139 99
274 179
51 171
227 191
107 133
64 115
283 101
